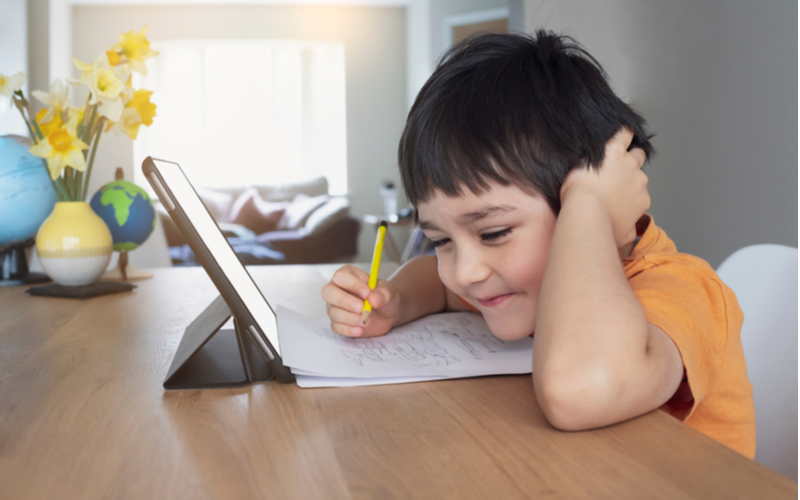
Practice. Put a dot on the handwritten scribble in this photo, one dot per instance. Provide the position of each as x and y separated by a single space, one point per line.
416 344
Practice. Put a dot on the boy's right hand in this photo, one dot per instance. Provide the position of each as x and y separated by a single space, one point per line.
344 296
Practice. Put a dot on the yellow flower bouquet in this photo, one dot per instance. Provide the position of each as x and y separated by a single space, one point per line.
66 136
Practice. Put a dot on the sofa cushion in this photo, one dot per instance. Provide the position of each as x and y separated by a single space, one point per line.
260 216
218 203
300 209
335 209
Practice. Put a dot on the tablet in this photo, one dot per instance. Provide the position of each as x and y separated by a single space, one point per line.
217 257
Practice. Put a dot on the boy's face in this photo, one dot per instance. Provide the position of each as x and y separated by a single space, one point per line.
492 250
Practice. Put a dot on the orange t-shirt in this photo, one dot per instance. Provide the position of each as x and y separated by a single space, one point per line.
682 295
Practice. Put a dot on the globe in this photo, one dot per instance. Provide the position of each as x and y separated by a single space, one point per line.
26 194
127 211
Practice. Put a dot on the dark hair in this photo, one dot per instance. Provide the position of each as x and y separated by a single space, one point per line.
511 108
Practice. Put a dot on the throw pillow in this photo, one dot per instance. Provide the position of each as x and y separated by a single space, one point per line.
336 209
300 209
217 203
255 214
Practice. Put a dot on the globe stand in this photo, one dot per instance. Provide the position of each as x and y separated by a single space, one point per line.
123 272
14 269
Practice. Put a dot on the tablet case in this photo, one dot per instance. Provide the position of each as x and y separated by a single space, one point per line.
209 356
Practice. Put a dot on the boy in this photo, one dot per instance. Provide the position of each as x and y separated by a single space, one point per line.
525 171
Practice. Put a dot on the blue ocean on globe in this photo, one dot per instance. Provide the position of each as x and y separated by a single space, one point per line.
128 212
26 193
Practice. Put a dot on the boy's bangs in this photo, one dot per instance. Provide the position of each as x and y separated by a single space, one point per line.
456 167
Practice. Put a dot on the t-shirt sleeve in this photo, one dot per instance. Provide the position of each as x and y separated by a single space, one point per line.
687 302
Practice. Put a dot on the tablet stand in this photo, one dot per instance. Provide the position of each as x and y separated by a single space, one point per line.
209 356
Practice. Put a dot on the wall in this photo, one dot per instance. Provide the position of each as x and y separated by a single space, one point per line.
441 9
717 82
375 59
13 59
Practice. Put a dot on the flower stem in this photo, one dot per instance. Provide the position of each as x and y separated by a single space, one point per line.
91 156
39 133
85 134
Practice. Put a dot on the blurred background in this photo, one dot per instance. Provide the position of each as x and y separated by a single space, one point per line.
275 92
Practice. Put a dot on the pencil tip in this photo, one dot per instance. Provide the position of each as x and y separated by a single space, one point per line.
384 223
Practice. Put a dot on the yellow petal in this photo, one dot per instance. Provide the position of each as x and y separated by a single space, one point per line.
42 149
146 109
75 114
82 65
113 57
74 158
48 127
78 144
10 84
56 165
111 108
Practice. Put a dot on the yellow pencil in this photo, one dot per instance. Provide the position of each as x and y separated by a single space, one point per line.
373 271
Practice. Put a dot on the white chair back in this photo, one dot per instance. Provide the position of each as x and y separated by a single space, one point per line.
764 278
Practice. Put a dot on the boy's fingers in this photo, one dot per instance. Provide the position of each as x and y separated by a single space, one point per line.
379 297
344 317
352 279
346 330
334 296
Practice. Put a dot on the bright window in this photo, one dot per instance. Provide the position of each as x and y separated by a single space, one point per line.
247 112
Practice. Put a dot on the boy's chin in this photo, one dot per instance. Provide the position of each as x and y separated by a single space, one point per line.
508 332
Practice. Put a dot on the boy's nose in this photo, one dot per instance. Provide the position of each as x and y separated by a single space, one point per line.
471 268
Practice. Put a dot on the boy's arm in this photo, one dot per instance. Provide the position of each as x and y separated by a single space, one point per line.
596 359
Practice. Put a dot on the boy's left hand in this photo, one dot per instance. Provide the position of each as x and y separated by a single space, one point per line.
619 185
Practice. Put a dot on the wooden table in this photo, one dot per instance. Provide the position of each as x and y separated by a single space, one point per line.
83 415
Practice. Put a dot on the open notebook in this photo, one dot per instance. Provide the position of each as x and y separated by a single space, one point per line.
440 346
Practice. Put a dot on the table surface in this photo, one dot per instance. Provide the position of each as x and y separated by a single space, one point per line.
83 415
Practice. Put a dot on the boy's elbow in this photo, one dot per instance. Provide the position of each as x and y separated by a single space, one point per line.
573 403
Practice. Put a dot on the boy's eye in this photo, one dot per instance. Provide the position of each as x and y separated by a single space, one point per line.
495 235
438 243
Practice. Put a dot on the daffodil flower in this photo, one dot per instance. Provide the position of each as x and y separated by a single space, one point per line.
10 84
139 111
76 113
49 126
136 49
56 100
145 108
61 149
107 85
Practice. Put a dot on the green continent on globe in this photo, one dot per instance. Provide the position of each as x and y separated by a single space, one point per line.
120 194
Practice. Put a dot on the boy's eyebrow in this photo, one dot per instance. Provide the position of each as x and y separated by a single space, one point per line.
471 217
484 212
427 225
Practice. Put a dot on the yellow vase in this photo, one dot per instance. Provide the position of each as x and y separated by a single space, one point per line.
74 244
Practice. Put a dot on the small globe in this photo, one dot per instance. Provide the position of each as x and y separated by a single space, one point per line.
127 211
26 193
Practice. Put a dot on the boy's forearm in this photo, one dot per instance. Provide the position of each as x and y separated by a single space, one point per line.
590 326
421 290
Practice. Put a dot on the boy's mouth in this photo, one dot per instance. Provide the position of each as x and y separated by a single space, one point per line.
494 301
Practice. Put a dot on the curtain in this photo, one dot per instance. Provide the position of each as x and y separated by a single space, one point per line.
247 112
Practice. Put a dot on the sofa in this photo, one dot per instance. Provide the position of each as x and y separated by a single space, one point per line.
296 223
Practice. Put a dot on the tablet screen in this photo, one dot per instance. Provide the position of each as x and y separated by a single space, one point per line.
219 248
